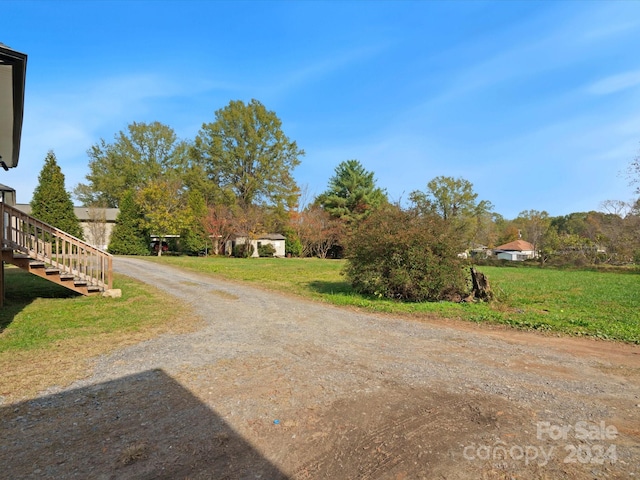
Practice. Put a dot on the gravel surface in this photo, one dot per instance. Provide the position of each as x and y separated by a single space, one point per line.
273 386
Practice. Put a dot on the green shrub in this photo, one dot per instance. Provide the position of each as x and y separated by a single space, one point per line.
266 250
242 250
403 255
292 243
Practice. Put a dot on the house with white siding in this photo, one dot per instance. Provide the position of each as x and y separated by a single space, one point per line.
517 250
276 240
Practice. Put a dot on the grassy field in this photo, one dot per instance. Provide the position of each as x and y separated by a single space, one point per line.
47 332
598 304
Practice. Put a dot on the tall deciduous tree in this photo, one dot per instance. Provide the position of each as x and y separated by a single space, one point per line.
453 200
219 224
128 236
486 229
570 224
51 203
533 225
318 231
141 154
248 222
164 208
450 198
352 194
509 232
246 154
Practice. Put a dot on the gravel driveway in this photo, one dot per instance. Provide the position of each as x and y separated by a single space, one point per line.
273 386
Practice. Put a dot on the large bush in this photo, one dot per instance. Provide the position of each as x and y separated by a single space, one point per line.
292 244
266 250
242 250
401 254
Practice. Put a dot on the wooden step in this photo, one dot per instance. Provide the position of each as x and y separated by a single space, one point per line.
44 254
54 274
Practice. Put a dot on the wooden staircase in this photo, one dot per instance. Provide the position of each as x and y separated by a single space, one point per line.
53 254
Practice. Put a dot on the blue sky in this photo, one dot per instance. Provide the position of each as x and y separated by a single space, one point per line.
536 103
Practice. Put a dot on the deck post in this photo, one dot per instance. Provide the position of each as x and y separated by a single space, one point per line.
1 282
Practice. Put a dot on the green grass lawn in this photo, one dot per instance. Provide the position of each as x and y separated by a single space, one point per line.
598 304
38 313
48 332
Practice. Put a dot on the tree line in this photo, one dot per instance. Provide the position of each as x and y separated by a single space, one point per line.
236 178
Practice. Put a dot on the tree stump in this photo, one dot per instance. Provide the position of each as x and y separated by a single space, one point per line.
481 288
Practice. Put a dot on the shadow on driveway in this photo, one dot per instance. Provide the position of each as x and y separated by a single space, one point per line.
144 426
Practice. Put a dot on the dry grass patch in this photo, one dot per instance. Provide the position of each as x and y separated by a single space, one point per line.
135 452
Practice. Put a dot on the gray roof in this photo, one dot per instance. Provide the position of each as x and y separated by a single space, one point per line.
84 214
272 236
262 236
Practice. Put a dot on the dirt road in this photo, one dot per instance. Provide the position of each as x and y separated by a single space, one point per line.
273 386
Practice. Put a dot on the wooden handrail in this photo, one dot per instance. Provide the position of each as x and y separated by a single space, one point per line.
48 244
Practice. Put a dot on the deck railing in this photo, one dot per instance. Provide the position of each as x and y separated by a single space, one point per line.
58 249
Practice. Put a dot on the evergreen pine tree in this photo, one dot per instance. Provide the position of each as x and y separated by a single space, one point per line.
352 194
51 203
128 237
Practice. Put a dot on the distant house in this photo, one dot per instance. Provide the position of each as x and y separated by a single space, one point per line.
517 250
97 223
274 239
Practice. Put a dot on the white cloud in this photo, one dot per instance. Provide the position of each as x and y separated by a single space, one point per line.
304 73
69 121
615 83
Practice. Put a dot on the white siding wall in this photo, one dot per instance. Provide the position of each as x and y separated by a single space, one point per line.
515 256
279 246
